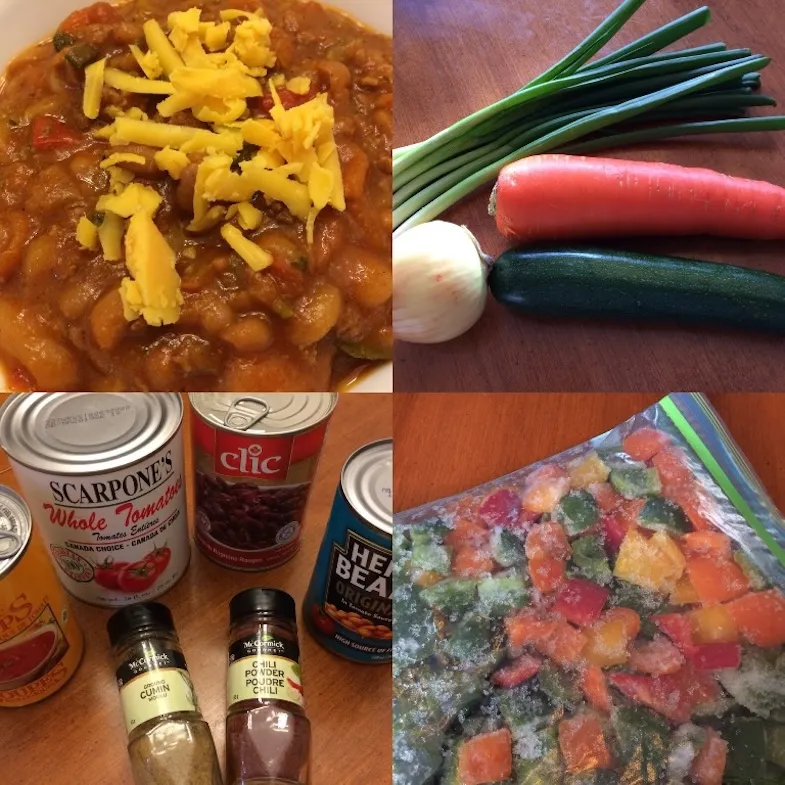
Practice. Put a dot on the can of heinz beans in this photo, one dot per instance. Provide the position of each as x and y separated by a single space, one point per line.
255 456
103 474
40 642
348 607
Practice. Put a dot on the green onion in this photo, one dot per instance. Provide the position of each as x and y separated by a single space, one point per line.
62 40
636 94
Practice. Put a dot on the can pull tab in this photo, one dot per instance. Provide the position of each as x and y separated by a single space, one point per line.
10 543
246 412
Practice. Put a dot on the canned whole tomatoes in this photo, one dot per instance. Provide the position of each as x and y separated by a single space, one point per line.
103 475
40 642
348 607
255 456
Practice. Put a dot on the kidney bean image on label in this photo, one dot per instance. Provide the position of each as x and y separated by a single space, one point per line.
348 607
104 476
255 456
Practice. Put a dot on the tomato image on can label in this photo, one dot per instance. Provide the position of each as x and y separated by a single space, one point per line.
115 521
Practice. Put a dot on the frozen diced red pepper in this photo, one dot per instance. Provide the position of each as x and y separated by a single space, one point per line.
595 688
716 656
614 528
678 628
606 496
708 768
645 443
581 601
518 671
501 508
668 695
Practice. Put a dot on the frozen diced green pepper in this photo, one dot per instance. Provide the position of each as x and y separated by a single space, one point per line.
590 559
499 594
746 737
470 641
523 708
758 684
633 482
661 513
578 511
429 553
506 548
596 777
642 601
775 744
453 597
542 764
642 744
558 686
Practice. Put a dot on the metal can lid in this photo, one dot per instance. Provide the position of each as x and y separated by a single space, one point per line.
15 528
366 481
264 414
87 433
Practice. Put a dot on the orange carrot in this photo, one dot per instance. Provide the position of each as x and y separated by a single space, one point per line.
562 197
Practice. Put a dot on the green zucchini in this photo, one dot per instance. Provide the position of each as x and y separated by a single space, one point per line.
589 282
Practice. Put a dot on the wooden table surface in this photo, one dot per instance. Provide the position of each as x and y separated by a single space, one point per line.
453 57
448 443
77 735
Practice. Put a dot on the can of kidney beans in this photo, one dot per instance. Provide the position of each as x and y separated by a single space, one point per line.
255 456
104 477
40 642
348 607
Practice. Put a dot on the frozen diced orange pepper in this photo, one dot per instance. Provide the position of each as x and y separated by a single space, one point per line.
645 443
760 617
716 580
565 646
684 592
467 531
545 488
485 758
629 617
713 624
671 465
697 506
471 562
547 573
606 496
527 628
713 544
595 688
548 539
582 743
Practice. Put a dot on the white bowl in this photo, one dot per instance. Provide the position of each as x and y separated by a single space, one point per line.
24 27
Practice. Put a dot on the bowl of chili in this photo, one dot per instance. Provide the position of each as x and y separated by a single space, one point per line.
268 276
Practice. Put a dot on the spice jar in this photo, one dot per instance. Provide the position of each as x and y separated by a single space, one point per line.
168 741
268 736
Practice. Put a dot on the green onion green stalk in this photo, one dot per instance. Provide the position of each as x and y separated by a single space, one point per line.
635 95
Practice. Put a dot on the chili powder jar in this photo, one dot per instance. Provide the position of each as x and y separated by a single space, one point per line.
268 736
168 740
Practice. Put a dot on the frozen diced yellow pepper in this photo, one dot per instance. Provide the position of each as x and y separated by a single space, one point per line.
684 592
656 564
606 643
713 625
590 470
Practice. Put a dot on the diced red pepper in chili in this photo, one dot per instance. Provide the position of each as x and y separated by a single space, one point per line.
708 768
288 99
581 601
714 656
614 529
501 508
516 672
49 133
679 629
98 13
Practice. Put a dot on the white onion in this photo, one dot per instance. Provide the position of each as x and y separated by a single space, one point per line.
439 282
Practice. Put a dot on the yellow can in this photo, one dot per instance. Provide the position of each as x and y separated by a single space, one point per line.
40 642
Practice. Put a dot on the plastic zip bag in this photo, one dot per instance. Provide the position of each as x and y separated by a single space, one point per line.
447 656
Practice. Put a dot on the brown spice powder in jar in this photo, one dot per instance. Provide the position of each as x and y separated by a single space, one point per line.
268 736
169 743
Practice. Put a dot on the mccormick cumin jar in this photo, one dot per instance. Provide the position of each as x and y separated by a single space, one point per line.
40 642
103 475
255 456
348 607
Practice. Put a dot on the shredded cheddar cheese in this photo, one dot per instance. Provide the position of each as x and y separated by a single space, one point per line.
214 70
